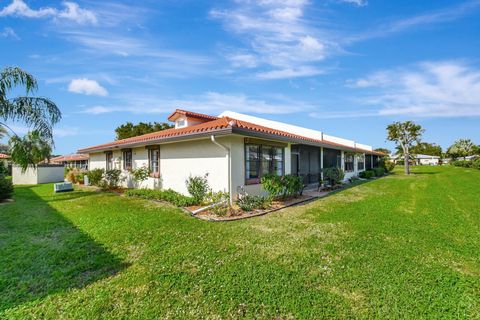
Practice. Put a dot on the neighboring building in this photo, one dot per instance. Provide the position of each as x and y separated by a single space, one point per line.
234 149
418 159
72 160
42 173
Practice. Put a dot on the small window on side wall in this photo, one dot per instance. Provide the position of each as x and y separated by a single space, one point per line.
349 162
109 160
127 159
154 162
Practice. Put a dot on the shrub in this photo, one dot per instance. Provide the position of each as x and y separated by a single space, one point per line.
277 186
333 175
476 164
368 174
6 187
389 165
3 168
293 185
379 172
139 175
272 184
249 203
112 179
198 187
95 176
168 195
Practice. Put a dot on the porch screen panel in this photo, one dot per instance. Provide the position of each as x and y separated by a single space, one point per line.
361 162
331 158
368 161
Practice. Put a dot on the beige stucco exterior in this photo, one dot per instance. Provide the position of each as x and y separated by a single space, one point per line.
179 160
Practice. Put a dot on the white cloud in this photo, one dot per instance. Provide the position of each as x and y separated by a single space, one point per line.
429 89
208 102
360 3
280 41
87 86
9 33
72 12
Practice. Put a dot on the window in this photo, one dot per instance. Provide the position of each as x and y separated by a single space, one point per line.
361 162
127 159
349 162
109 160
261 160
154 162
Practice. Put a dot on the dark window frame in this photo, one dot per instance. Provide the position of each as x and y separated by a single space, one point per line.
154 173
362 157
349 166
127 165
272 163
109 160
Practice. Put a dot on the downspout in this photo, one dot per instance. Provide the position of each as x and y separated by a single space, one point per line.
227 149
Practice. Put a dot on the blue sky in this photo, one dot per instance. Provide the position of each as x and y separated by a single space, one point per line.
346 67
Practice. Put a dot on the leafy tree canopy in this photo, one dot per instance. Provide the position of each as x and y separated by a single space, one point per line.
430 149
129 129
38 113
462 148
405 134
383 150
30 149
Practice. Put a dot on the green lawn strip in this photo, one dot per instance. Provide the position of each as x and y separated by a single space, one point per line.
397 247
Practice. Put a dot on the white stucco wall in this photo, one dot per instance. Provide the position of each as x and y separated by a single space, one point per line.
39 175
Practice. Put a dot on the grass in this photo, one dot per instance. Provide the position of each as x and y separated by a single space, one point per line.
398 247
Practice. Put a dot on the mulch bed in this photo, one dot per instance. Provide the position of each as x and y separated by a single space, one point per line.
235 213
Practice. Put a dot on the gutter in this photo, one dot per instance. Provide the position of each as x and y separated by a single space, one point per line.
227 150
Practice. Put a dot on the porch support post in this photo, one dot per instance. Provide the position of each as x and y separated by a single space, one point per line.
342 164
321 162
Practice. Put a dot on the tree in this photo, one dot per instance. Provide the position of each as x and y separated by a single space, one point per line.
430 149
383 150
405 134
32 148
129 129
38 113
462 148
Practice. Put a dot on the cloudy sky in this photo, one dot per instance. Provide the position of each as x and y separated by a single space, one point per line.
346 67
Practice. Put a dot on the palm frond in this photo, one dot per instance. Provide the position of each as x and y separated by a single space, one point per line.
39 113
12 77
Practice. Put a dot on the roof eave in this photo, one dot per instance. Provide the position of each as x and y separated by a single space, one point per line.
183 137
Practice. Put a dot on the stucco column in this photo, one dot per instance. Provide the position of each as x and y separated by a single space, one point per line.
342 160
321 162
288 159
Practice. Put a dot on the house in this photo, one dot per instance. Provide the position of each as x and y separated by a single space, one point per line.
5 158
418 159
233 149
77 160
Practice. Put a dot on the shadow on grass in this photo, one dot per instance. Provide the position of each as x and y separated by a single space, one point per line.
42 253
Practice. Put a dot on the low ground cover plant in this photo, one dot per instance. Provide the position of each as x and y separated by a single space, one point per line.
6 187
168 195
249 202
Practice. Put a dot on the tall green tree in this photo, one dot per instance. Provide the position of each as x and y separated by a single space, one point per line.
383 150
462 148
430 149
129 130
405 134
32 148
38 113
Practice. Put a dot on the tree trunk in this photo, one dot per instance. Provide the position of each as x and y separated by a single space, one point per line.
407 162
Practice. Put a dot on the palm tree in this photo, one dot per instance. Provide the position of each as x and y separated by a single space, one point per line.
38 113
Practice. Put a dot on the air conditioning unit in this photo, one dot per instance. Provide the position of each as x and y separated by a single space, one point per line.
63 187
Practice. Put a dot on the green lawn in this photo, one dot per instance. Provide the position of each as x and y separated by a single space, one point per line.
398 247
